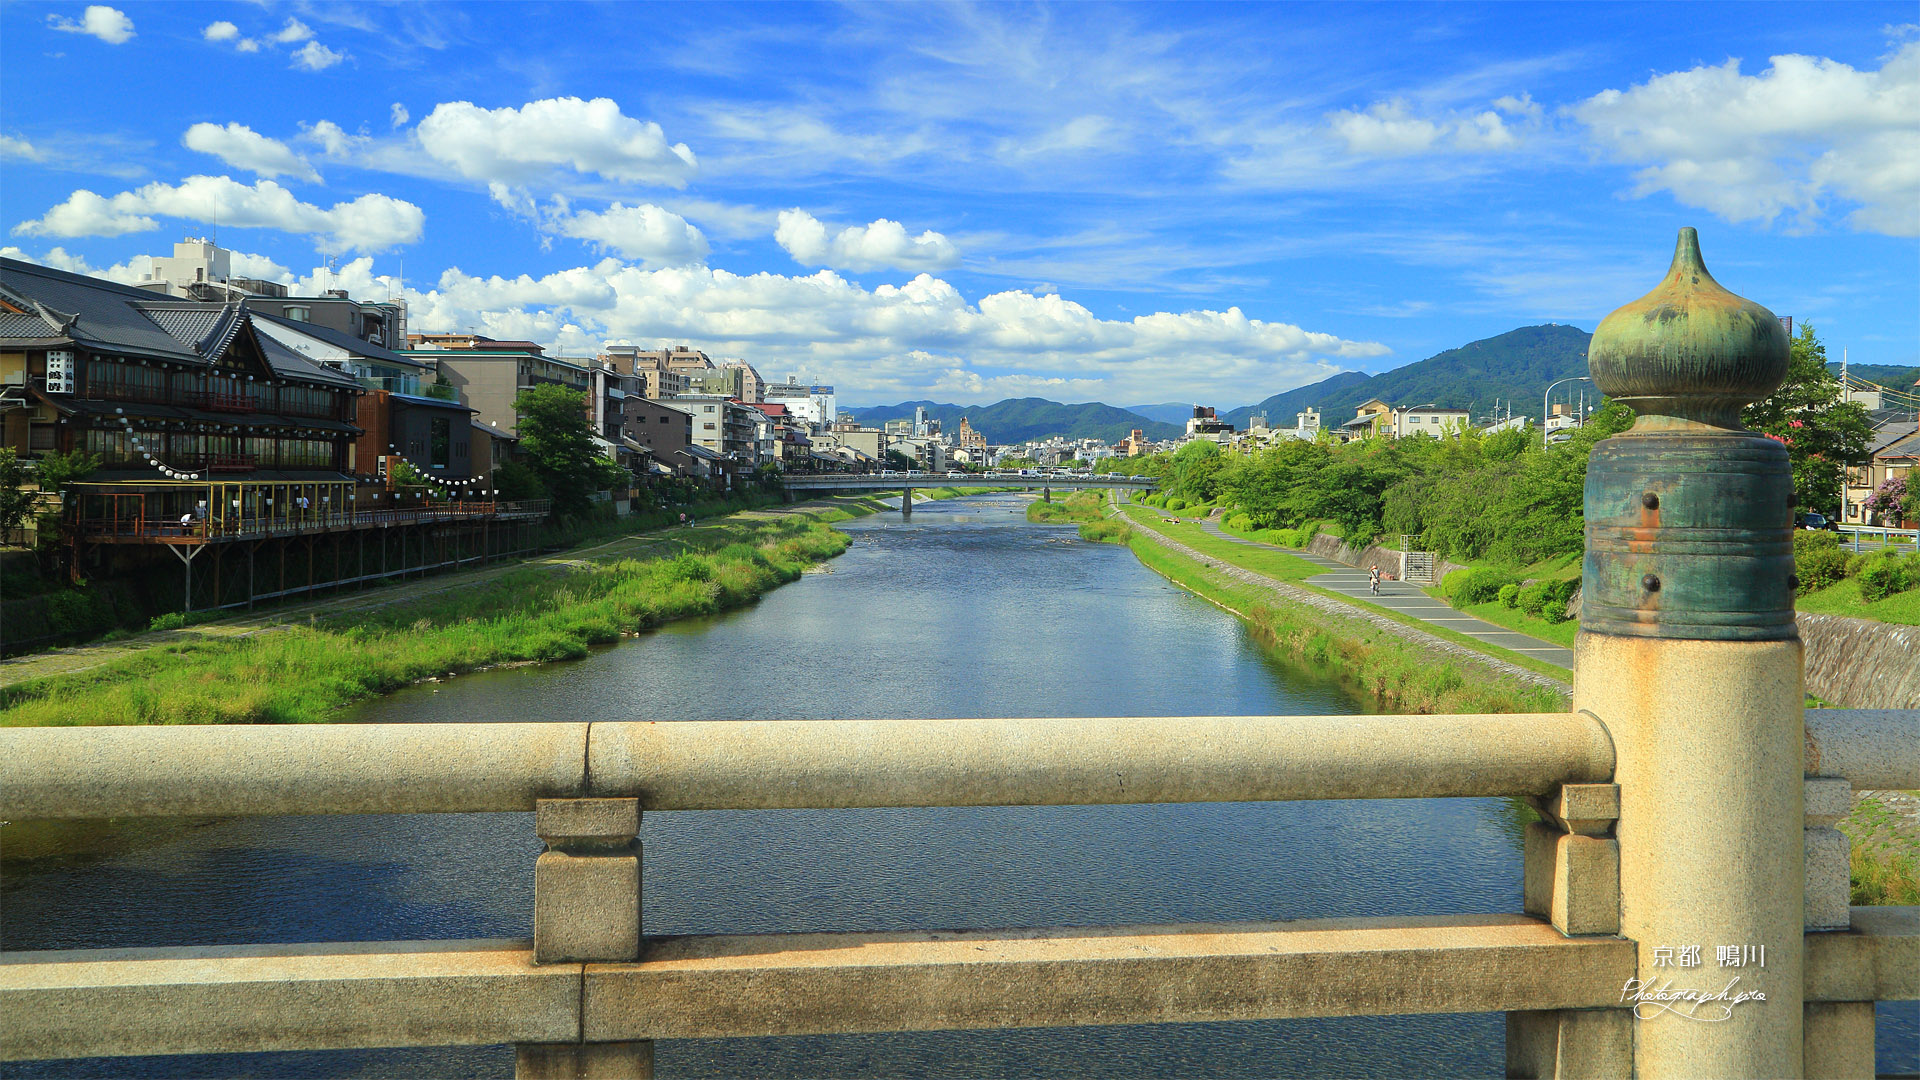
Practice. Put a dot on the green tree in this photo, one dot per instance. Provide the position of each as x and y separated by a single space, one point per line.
1823 433
56 471
1196 471
556 440
16 502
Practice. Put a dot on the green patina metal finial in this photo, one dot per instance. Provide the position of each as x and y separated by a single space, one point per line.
1689 354
1689 516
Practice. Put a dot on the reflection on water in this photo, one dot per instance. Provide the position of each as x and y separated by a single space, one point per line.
965 611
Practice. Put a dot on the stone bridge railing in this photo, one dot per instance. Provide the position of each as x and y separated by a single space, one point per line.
589 992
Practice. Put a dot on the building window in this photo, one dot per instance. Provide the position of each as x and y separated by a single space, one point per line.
706 427
298 314
441 438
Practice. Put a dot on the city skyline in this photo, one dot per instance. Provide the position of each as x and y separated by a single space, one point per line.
965 204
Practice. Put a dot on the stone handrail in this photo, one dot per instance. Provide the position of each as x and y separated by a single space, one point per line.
1875 749
470 768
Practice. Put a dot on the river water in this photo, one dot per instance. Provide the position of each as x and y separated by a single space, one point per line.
966 610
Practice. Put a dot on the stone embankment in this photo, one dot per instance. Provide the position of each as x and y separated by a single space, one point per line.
1296 594
1329 546
1860 663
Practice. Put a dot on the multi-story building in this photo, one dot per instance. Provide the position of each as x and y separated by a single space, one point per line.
809 403
489 374
202 270
1205 425
431 431
970 437
752 388
1428 420
663 429
1894 451
153 384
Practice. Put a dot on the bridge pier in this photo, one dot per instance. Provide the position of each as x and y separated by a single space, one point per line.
906 503
1046 494
1688 653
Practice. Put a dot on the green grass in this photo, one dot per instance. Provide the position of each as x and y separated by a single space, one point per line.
1397 674
306 673
1843 598
1278 565
1077 508
1886 854
1108 531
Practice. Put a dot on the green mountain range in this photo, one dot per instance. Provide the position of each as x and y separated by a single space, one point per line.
1517 366
1017 420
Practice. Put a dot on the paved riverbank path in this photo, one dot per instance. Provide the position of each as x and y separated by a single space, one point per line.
1402 598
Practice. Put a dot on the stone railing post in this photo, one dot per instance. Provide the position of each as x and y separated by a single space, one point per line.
1573 881
1688 654
1839 1034
586 909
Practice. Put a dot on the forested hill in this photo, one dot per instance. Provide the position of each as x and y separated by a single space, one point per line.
1025 419
1888 375
1518 364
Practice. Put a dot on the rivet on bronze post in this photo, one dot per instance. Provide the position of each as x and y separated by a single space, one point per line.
1650 501
1650 582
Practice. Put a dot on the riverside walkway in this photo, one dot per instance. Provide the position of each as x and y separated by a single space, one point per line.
1410 600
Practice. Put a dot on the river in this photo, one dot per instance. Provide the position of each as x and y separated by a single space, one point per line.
965 610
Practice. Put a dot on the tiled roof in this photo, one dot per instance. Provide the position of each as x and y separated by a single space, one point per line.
97 314
207 329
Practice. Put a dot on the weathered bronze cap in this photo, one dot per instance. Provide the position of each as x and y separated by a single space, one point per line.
1688 353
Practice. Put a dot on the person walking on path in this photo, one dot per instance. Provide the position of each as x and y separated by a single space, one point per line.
1373 579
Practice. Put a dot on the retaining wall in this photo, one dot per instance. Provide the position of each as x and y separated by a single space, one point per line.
1860 663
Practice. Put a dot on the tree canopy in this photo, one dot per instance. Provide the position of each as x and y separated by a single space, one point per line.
1823 433
556 440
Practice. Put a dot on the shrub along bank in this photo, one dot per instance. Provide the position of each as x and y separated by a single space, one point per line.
1882 585
304 674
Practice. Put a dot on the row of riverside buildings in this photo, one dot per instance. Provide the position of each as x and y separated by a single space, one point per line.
225 411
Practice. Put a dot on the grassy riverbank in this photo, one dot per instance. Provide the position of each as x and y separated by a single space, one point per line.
1399 674
306 673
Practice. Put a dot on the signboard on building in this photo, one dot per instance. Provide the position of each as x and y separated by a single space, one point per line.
59 371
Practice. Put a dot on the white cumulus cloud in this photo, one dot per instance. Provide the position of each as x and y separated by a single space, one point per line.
243 148
108 24
1385 129
295 31
1804 133
646 234
892 342
883 244
314 56
525 144
369 223
399 114
220 31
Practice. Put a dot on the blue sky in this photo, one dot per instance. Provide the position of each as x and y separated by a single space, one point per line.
1132 203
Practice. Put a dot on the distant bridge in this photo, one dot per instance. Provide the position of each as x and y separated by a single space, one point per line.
905 482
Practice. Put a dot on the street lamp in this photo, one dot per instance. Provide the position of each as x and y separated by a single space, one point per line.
1549 394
